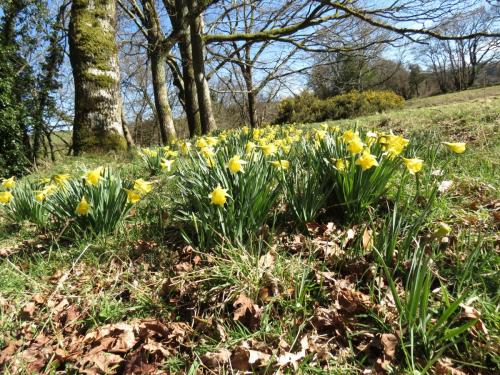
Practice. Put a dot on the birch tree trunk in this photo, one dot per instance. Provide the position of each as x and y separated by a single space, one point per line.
94 59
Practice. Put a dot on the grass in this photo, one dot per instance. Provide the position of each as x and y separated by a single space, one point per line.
316 299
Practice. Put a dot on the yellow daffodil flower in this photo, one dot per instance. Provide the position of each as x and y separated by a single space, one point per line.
413 165
212 141
457 148
133 196
9 183
82 208
341 164
394 144
60 179
142 187
185 147
149 152
218 196
281 164
166 164
235 164
201 143
349 136
245 130
171 154
207 151
269 149
355 146
250 146
367 160
92 177
5 197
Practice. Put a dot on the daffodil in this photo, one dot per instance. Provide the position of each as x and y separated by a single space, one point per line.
218 196
61 178
9 183
149 152
212 141
341 164
355 146
201 143
413 165
5 197
133 196
142 187
249 147
171 154
367 160
40 195
166 164
269 149
394 144
245 130
235 164
83 207
349 135
185 147
457 148
281 164
320 134
92 177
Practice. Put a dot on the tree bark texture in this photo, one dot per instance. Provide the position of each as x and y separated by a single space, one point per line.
190 93
163 110
198 46
158 56
94 59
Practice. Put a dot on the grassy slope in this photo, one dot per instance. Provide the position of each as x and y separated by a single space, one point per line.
119 278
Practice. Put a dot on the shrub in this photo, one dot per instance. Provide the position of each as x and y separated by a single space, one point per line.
307 108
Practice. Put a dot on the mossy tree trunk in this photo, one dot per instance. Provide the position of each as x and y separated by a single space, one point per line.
94 59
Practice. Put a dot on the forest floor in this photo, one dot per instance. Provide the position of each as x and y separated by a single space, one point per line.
143 301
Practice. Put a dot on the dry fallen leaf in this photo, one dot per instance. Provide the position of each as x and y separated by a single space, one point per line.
389 343
216 360
246 311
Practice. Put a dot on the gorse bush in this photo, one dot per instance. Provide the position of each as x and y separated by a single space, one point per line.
308 108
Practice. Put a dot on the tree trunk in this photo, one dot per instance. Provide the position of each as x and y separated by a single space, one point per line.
126 131
203 91
163 111
94 59
248 76
190 93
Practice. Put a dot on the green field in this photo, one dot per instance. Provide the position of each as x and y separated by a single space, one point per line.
313 298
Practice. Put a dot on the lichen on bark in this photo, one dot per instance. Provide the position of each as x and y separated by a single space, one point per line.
94 59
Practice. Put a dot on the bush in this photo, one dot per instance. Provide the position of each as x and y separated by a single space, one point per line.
308 108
